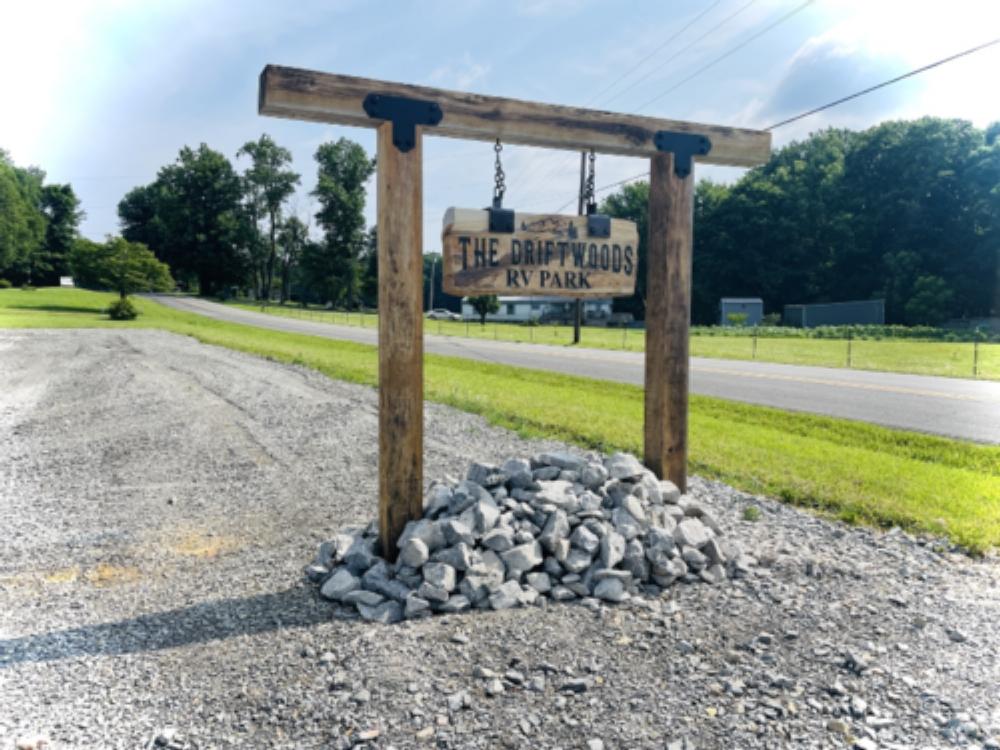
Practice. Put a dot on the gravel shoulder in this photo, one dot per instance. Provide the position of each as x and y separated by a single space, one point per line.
159 498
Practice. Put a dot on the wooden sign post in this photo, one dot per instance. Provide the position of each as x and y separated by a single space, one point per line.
402 114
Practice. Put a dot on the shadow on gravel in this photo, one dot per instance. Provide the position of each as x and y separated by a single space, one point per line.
200 623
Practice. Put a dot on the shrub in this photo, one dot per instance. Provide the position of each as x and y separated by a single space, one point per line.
875 332
118 265
4 284
122 309
751 513
737 319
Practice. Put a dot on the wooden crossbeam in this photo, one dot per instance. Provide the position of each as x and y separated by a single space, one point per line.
326 97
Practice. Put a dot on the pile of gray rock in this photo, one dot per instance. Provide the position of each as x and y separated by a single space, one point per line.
554 527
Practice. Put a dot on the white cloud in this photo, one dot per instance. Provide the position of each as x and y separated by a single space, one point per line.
870 42
545 7
459 74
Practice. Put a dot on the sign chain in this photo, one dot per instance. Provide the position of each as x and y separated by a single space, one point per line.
499 185
589 194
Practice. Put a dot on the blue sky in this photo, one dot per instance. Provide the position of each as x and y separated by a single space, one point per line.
117 88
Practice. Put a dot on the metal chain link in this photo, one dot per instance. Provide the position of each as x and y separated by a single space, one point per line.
499 186
589 196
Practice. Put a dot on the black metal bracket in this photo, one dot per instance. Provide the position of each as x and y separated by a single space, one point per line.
683 146
598 225
405 114
501 219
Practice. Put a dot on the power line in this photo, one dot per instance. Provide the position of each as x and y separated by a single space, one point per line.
602 188
552 170
868 90
730 52
884 84
684 49
643 61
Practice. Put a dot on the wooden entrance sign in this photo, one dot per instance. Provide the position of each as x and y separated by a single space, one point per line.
545 254
402 114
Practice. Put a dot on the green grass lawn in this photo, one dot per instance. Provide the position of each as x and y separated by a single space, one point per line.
851 470
950 359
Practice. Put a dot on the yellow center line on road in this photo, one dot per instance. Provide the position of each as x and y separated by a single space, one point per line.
847 384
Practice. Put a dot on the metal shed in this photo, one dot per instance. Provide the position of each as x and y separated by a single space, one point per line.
860 312
752 307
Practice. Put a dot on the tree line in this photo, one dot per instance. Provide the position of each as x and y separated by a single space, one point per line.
38 225
908 211
224 232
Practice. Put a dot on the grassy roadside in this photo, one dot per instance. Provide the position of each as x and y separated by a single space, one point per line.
949 359
850 470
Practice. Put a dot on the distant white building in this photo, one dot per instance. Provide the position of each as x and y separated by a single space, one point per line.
542 309
66 281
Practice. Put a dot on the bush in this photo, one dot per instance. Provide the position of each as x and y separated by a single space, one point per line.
875 332
119 266
737 319
4 284
122 309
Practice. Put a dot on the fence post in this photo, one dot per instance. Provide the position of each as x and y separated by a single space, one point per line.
753 355
975 359
849 336
624 337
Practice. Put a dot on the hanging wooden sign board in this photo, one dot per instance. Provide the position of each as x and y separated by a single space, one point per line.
546 254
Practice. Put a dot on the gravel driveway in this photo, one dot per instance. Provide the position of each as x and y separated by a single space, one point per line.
159 497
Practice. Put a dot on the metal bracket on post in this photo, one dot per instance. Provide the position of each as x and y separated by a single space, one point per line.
683 146
405 114
501 219
598 225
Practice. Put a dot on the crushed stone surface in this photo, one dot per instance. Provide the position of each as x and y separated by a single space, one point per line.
159 499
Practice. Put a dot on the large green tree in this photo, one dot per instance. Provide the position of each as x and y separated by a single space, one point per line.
332 268
22 221
906 211
192 218
119 266
268 183
292 239
62 212
913 187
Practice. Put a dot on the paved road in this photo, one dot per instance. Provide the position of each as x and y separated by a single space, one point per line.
968 409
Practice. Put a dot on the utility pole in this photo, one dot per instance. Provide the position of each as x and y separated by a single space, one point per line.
578 303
